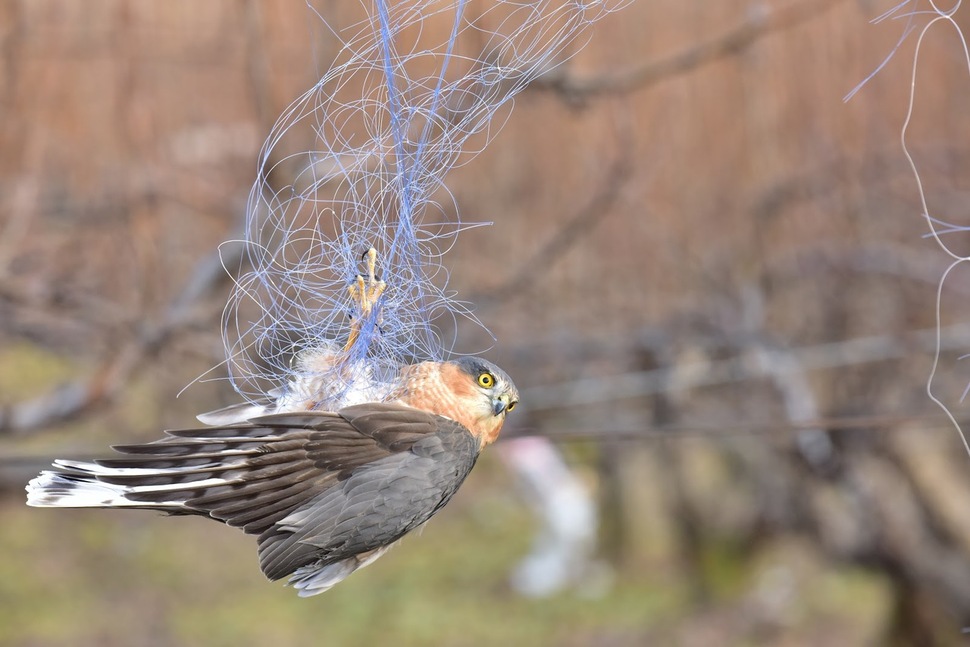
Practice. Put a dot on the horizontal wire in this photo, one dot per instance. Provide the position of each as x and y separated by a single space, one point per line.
740 429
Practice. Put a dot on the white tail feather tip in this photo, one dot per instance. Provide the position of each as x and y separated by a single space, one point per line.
58 490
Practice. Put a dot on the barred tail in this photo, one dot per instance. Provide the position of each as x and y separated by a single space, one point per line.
89 485
164 475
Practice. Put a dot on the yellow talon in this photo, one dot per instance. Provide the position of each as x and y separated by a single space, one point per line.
365 294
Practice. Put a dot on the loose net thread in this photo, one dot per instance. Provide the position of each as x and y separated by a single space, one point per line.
358 162
936 17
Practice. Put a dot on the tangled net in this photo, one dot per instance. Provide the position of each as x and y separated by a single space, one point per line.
921 18
358 163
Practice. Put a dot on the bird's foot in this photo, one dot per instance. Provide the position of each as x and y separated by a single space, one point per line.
365 294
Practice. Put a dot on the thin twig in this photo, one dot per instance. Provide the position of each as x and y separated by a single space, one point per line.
759 24
743 367
89 393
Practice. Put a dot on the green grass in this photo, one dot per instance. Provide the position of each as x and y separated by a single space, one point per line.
135 578
101 577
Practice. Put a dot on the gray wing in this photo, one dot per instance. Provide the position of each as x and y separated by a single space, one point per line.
374 505
316 487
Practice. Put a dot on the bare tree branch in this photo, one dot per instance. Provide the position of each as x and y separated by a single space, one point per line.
85 395
761 22
743 367
579 225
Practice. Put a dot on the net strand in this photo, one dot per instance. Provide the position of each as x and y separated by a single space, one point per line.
938 226
358 162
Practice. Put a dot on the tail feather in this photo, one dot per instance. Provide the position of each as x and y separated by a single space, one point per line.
226 474
238 413
74 490
164 483
174 446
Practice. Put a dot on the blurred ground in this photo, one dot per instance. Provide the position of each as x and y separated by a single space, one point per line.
100 578
709 280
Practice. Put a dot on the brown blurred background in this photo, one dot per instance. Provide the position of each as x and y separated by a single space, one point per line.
707 275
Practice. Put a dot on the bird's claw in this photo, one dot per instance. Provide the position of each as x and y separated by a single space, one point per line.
365 293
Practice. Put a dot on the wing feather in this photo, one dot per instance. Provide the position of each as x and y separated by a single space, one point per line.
374 506
318 488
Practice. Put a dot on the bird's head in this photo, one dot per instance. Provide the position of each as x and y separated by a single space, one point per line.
488 395
492 392
472 391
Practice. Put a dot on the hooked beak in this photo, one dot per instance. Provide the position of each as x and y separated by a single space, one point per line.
500 404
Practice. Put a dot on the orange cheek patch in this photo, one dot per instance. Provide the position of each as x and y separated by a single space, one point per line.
446 390
457 380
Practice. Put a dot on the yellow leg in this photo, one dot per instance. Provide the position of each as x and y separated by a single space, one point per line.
365 294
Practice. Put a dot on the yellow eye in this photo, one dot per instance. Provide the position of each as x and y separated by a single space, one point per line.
511 406
486 380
